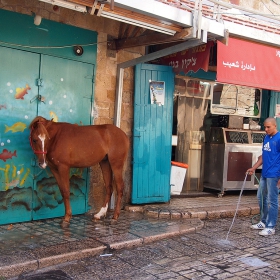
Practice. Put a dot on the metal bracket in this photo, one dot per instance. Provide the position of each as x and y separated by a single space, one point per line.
197 17
91 10
39 98
39 82
100 10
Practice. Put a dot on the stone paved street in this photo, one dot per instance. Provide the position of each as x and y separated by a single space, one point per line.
203 255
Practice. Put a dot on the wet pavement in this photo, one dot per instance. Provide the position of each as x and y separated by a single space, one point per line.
43 244
204 255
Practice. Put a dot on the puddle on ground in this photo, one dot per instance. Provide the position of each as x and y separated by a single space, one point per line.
254 262
224 242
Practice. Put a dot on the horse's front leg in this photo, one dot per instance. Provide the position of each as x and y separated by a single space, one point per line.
62 177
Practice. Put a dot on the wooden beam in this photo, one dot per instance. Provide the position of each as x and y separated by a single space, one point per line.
88 3
151 39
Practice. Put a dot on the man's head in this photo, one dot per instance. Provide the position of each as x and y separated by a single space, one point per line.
270 126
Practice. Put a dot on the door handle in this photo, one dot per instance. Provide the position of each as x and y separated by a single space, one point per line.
39 98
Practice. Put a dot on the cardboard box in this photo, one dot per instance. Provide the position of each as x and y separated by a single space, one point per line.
235 122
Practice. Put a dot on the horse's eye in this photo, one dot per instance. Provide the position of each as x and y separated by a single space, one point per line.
34 141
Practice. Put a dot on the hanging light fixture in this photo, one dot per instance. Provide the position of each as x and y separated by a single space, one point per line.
37 19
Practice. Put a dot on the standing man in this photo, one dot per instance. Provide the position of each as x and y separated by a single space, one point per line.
268 190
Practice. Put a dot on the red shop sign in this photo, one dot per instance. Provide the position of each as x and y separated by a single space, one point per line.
248 64
191 59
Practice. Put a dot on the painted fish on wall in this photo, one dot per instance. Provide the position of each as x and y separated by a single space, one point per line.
12 184
3 106
16 127
53 116
7 155
20 92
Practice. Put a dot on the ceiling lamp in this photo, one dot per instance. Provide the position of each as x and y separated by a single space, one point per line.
66 4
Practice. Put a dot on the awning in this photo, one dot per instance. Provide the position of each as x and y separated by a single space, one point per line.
248 64
191 59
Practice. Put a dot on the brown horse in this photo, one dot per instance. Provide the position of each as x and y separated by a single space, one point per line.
62 146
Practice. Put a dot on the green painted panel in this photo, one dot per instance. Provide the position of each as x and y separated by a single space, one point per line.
274 99
67 88
152 135
19 71
56 38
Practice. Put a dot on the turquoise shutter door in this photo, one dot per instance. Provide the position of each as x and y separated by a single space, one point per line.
67 94
152 134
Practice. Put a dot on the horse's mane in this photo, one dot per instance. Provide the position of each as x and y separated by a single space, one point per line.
40 124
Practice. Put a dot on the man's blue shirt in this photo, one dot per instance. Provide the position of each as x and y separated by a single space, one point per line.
271 156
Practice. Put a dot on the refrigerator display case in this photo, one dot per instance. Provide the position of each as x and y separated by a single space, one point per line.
228 155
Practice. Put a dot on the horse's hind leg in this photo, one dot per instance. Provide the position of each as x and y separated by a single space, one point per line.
107 176
117 161
118 177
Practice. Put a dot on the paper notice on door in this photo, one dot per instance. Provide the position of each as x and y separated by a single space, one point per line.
157 92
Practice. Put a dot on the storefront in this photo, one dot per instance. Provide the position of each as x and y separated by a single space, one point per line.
231 93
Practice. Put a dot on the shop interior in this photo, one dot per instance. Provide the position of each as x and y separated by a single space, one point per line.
217 131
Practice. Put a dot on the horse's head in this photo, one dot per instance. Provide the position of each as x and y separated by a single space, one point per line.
39 138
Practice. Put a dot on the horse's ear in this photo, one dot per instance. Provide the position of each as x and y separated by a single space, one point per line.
48 123
35 124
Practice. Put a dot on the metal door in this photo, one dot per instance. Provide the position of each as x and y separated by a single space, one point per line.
30 85
19 71
65 94
152 135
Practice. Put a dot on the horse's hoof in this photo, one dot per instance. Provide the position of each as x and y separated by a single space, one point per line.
65 224
96 217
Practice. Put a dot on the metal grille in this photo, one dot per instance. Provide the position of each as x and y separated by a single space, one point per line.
237 137
257 137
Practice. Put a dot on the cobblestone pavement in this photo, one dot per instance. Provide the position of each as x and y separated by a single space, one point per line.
203 255
183 239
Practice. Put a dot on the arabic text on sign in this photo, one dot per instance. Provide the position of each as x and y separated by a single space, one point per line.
242 65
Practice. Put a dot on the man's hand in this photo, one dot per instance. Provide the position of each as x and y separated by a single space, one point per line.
250 171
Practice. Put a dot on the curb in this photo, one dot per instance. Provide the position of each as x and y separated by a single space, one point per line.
24 267
214 213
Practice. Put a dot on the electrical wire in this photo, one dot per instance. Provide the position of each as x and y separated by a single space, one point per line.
50 47
267 7
275 2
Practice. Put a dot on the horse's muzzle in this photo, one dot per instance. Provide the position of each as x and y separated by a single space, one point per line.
42 165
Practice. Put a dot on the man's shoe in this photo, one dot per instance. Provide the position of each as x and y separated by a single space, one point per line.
267 232
259 225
